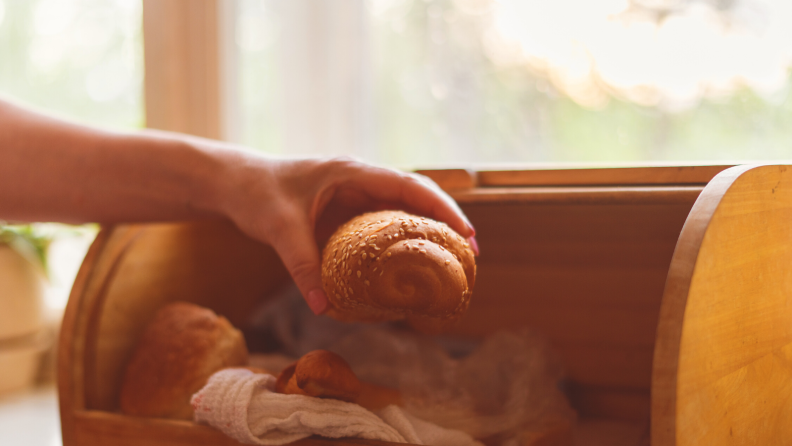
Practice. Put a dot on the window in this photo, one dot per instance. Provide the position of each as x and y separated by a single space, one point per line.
419 83
81 59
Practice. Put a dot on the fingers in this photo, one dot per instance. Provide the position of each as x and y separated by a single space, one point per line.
293 239
413 191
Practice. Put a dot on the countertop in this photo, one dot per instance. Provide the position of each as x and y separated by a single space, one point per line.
30 418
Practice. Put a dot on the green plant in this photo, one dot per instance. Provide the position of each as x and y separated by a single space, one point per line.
26 240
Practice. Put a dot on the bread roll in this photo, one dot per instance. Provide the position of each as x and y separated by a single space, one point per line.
324 374
320 374
390 265
179 350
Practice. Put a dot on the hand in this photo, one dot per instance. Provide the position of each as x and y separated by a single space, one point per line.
291 204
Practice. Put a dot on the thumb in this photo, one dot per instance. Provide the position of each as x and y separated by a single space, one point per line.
297 249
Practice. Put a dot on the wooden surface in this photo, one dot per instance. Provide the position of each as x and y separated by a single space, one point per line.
544 176
94 428
452 179
589 275
570 195
182 66
210 264
723 360
103 428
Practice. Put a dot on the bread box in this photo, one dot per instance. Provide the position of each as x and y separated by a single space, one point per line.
667 291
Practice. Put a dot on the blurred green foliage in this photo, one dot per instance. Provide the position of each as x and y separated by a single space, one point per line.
28 241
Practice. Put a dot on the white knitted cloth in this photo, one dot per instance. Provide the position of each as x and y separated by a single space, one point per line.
243 405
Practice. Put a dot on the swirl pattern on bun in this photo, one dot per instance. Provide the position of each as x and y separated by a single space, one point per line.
390 265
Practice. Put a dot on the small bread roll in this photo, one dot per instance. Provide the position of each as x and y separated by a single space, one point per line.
324 374
390 265
320 374
179 350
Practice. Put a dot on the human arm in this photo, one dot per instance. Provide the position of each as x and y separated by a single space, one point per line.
51 170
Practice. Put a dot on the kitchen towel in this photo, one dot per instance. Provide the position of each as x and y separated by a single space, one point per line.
245 407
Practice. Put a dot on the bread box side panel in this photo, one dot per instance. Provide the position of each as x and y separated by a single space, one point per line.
208 263
723 361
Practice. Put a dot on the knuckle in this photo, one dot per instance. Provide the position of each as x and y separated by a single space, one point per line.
303 269
344 162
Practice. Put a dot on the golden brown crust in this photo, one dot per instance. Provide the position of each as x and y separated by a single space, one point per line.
179 350
320 374
390 265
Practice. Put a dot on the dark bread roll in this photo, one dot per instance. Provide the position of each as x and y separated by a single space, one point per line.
324 374
179 350
320 374
390 265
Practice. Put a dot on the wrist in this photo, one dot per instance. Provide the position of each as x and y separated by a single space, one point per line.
229 176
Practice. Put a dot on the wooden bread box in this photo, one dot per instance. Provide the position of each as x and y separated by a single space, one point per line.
667 292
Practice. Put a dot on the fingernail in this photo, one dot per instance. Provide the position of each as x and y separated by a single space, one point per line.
317 301
474 245
472 229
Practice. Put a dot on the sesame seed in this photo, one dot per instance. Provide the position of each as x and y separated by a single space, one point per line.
358 274
382 272
448 262
366 282
375 268
389 254
423 251
364 256
359 262
354 252
351 291
420 243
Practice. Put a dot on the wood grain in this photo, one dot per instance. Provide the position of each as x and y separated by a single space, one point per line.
452 179
622 176
95 428
589 277
182 68
579 195
723 360
590 274
207 263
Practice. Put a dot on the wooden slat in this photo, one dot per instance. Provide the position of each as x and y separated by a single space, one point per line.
589 277
610 403
94 428
579 195
601 176
182 69
452 179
